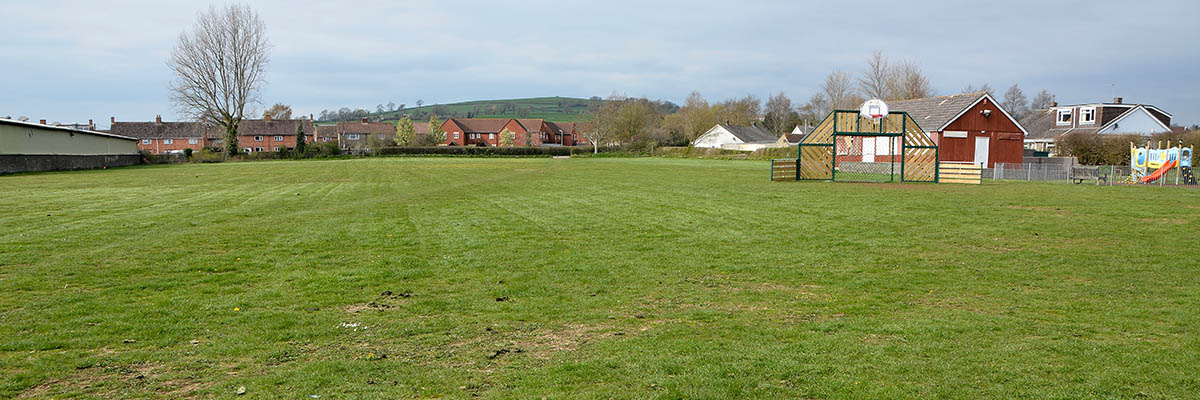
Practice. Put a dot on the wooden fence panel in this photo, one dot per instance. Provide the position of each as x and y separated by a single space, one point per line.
968 173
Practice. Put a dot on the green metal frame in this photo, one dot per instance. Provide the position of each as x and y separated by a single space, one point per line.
904 146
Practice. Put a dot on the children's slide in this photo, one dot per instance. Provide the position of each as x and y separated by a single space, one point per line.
1160 172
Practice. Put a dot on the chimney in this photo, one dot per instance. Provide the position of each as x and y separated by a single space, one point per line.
310 117
1118 100
364 120
112 120
158 119
1054 104
267 117
91 125
43 122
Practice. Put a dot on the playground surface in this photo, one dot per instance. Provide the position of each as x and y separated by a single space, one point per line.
592 278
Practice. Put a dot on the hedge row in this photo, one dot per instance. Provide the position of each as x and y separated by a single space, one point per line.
723 154
475 151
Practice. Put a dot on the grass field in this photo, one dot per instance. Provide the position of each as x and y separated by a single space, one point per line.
588 278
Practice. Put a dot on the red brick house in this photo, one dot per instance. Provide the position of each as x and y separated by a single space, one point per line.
160 137
356 135
325 133
970 127
254 135
259 135
486 132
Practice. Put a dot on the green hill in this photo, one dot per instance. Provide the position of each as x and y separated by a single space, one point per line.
559 109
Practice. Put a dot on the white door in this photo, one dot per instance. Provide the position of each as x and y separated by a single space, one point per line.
981 150
868 149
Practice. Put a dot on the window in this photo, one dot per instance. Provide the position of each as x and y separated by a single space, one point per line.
352 136
247 150
455 135
276 148
492 136
325 139
258 138
278 138
168 141
1087 116
258 149
193 141
1064 117
145 141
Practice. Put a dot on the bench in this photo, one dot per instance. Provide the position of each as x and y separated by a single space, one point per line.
1080 174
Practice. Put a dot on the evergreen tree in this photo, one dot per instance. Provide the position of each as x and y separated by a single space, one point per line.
435 129
405 134
301 141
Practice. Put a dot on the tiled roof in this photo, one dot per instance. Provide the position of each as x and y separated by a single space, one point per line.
421 128
327 130
1041 125
566 127
931 113
481 125
287 127
156 130
750 134
366 127
531 125
794 137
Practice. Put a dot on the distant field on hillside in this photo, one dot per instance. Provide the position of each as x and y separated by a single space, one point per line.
588 278
559 109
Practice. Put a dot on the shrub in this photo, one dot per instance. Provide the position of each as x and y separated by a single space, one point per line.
1097 149
187 153
723 154
207 155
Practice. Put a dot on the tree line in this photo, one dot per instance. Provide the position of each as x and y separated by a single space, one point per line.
642 122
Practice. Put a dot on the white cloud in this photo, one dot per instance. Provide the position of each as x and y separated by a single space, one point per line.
74 60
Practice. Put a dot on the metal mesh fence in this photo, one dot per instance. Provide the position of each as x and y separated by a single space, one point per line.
867 159
1111 174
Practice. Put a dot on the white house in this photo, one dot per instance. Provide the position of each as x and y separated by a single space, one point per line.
735 137
1115 118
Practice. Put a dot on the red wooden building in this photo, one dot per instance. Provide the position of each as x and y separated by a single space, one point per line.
970 127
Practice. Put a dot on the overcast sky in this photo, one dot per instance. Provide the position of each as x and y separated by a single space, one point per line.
71 61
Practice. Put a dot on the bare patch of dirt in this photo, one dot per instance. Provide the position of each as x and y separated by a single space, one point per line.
86 379
1048 210
384 301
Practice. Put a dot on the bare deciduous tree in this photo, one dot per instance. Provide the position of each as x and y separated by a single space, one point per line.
219 68
839 92
779 109
1043 100
1015 102
279 111
985 88
911 82
743 111
815 110
698 116
879 79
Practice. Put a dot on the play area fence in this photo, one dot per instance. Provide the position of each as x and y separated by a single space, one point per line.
1068 173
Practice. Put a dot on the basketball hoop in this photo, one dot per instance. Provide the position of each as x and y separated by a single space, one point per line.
875 109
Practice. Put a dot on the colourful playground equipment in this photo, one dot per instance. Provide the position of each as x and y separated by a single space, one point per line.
1161 160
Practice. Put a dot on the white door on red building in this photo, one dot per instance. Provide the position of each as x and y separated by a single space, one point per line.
868 149
981 150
